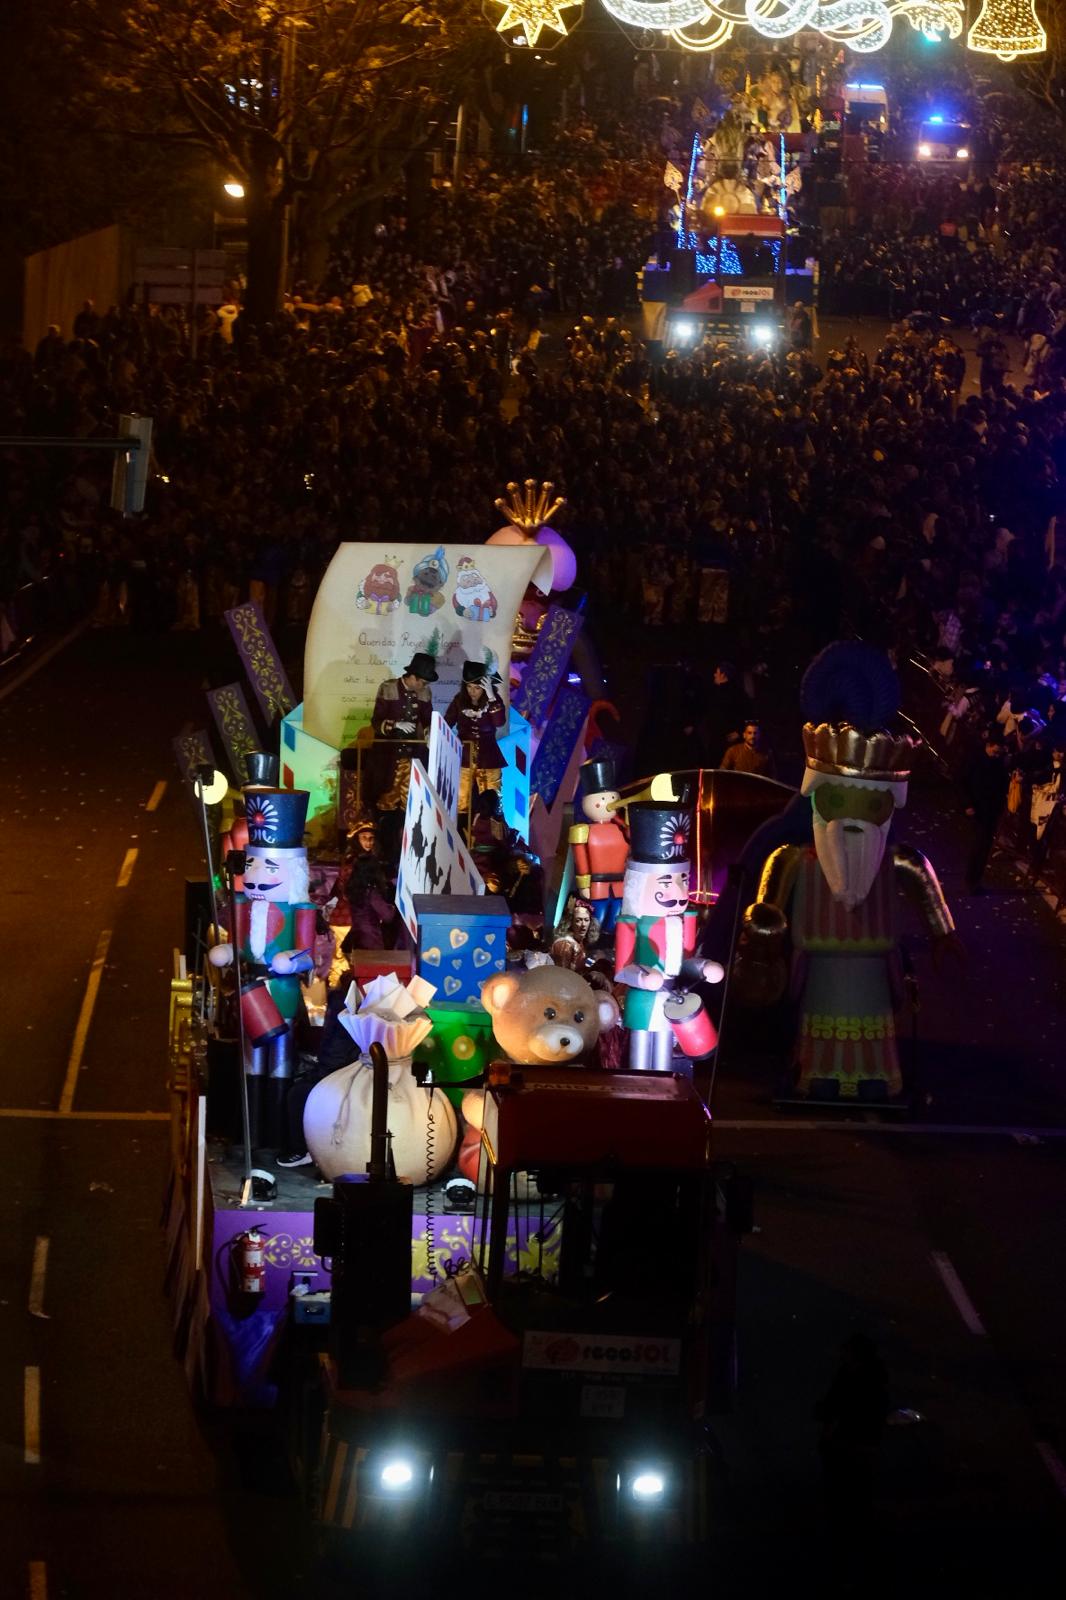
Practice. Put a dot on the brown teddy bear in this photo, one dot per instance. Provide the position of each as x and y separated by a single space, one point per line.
547 1015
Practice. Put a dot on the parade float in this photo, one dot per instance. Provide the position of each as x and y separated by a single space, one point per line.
411 1164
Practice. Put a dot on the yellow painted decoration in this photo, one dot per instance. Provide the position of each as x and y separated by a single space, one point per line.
1008 28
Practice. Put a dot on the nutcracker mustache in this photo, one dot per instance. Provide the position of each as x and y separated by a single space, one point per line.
850 854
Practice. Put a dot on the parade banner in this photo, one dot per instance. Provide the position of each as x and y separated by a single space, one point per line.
192 750
445 762
547 664
260 660
557 746
235 727
378 604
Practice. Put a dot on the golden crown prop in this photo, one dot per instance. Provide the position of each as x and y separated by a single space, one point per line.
528 507
842 751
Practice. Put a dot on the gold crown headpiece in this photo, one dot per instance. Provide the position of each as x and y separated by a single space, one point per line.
528 507
842 751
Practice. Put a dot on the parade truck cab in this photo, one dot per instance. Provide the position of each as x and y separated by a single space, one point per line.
731 285
551 1397
945 145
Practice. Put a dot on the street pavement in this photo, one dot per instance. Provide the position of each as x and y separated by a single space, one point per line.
945 1245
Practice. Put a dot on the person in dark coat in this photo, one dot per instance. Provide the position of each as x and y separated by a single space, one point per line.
986 783
726 711
851 1417
477 716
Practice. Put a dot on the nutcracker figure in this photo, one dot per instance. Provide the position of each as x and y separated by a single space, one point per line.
837 896
274 935
655 940
600 843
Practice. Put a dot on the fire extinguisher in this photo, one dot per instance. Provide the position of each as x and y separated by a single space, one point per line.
250 1262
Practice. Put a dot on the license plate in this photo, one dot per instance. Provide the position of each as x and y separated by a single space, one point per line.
535 1500
602 1400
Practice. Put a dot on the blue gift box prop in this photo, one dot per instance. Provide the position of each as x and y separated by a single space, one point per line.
462 940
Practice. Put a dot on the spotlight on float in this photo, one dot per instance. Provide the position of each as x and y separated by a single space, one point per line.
210 785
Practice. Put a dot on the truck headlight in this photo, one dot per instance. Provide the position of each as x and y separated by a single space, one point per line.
924 152
397 1474
647 1486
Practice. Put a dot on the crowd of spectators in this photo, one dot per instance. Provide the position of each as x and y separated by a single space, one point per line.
759 490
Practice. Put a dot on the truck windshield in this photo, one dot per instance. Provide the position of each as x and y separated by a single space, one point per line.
609 1244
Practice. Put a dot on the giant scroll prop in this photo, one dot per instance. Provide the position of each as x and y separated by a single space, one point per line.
380 603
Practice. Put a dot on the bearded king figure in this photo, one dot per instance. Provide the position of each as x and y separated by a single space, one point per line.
838 896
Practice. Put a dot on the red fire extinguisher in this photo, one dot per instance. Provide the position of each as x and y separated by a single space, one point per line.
250 1262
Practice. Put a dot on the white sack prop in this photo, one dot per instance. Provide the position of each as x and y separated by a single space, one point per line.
388 1013
337 1123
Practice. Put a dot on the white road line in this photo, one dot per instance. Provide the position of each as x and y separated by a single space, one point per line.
156 795
1053 1462
40 1267
129 861
908 1129
85 1017
42 660
955 1288
31 1417
38 1585
46 1114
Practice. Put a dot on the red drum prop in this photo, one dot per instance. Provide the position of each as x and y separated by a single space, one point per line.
259 1013
693 1028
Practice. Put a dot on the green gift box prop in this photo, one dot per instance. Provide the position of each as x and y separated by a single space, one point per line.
459 1047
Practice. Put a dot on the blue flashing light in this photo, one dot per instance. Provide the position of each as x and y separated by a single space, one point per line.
853 88
937 118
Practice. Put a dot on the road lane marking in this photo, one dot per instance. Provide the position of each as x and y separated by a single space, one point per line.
46 1114
42 660
909 1129
156 795
85 1017
1053 1462
31 1417
955 1288
129 861
38 1581
40 1267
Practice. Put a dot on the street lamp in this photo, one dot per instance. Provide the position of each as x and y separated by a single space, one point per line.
234 189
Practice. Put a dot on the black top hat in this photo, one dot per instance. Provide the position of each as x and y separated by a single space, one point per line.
474 672
276 817
595 776
262 767
421 665
659 833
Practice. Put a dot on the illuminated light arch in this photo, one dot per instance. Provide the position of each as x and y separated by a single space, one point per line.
1006 28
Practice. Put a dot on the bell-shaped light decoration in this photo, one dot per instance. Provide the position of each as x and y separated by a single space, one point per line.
1008 28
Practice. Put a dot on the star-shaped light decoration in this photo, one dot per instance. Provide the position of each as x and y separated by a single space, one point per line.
532 16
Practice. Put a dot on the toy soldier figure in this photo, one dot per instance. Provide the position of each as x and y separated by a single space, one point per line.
655 941
600 843
402 713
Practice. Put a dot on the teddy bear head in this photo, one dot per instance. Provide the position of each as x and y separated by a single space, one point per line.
546 1015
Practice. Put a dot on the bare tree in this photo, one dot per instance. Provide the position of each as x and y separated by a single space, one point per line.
314 106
